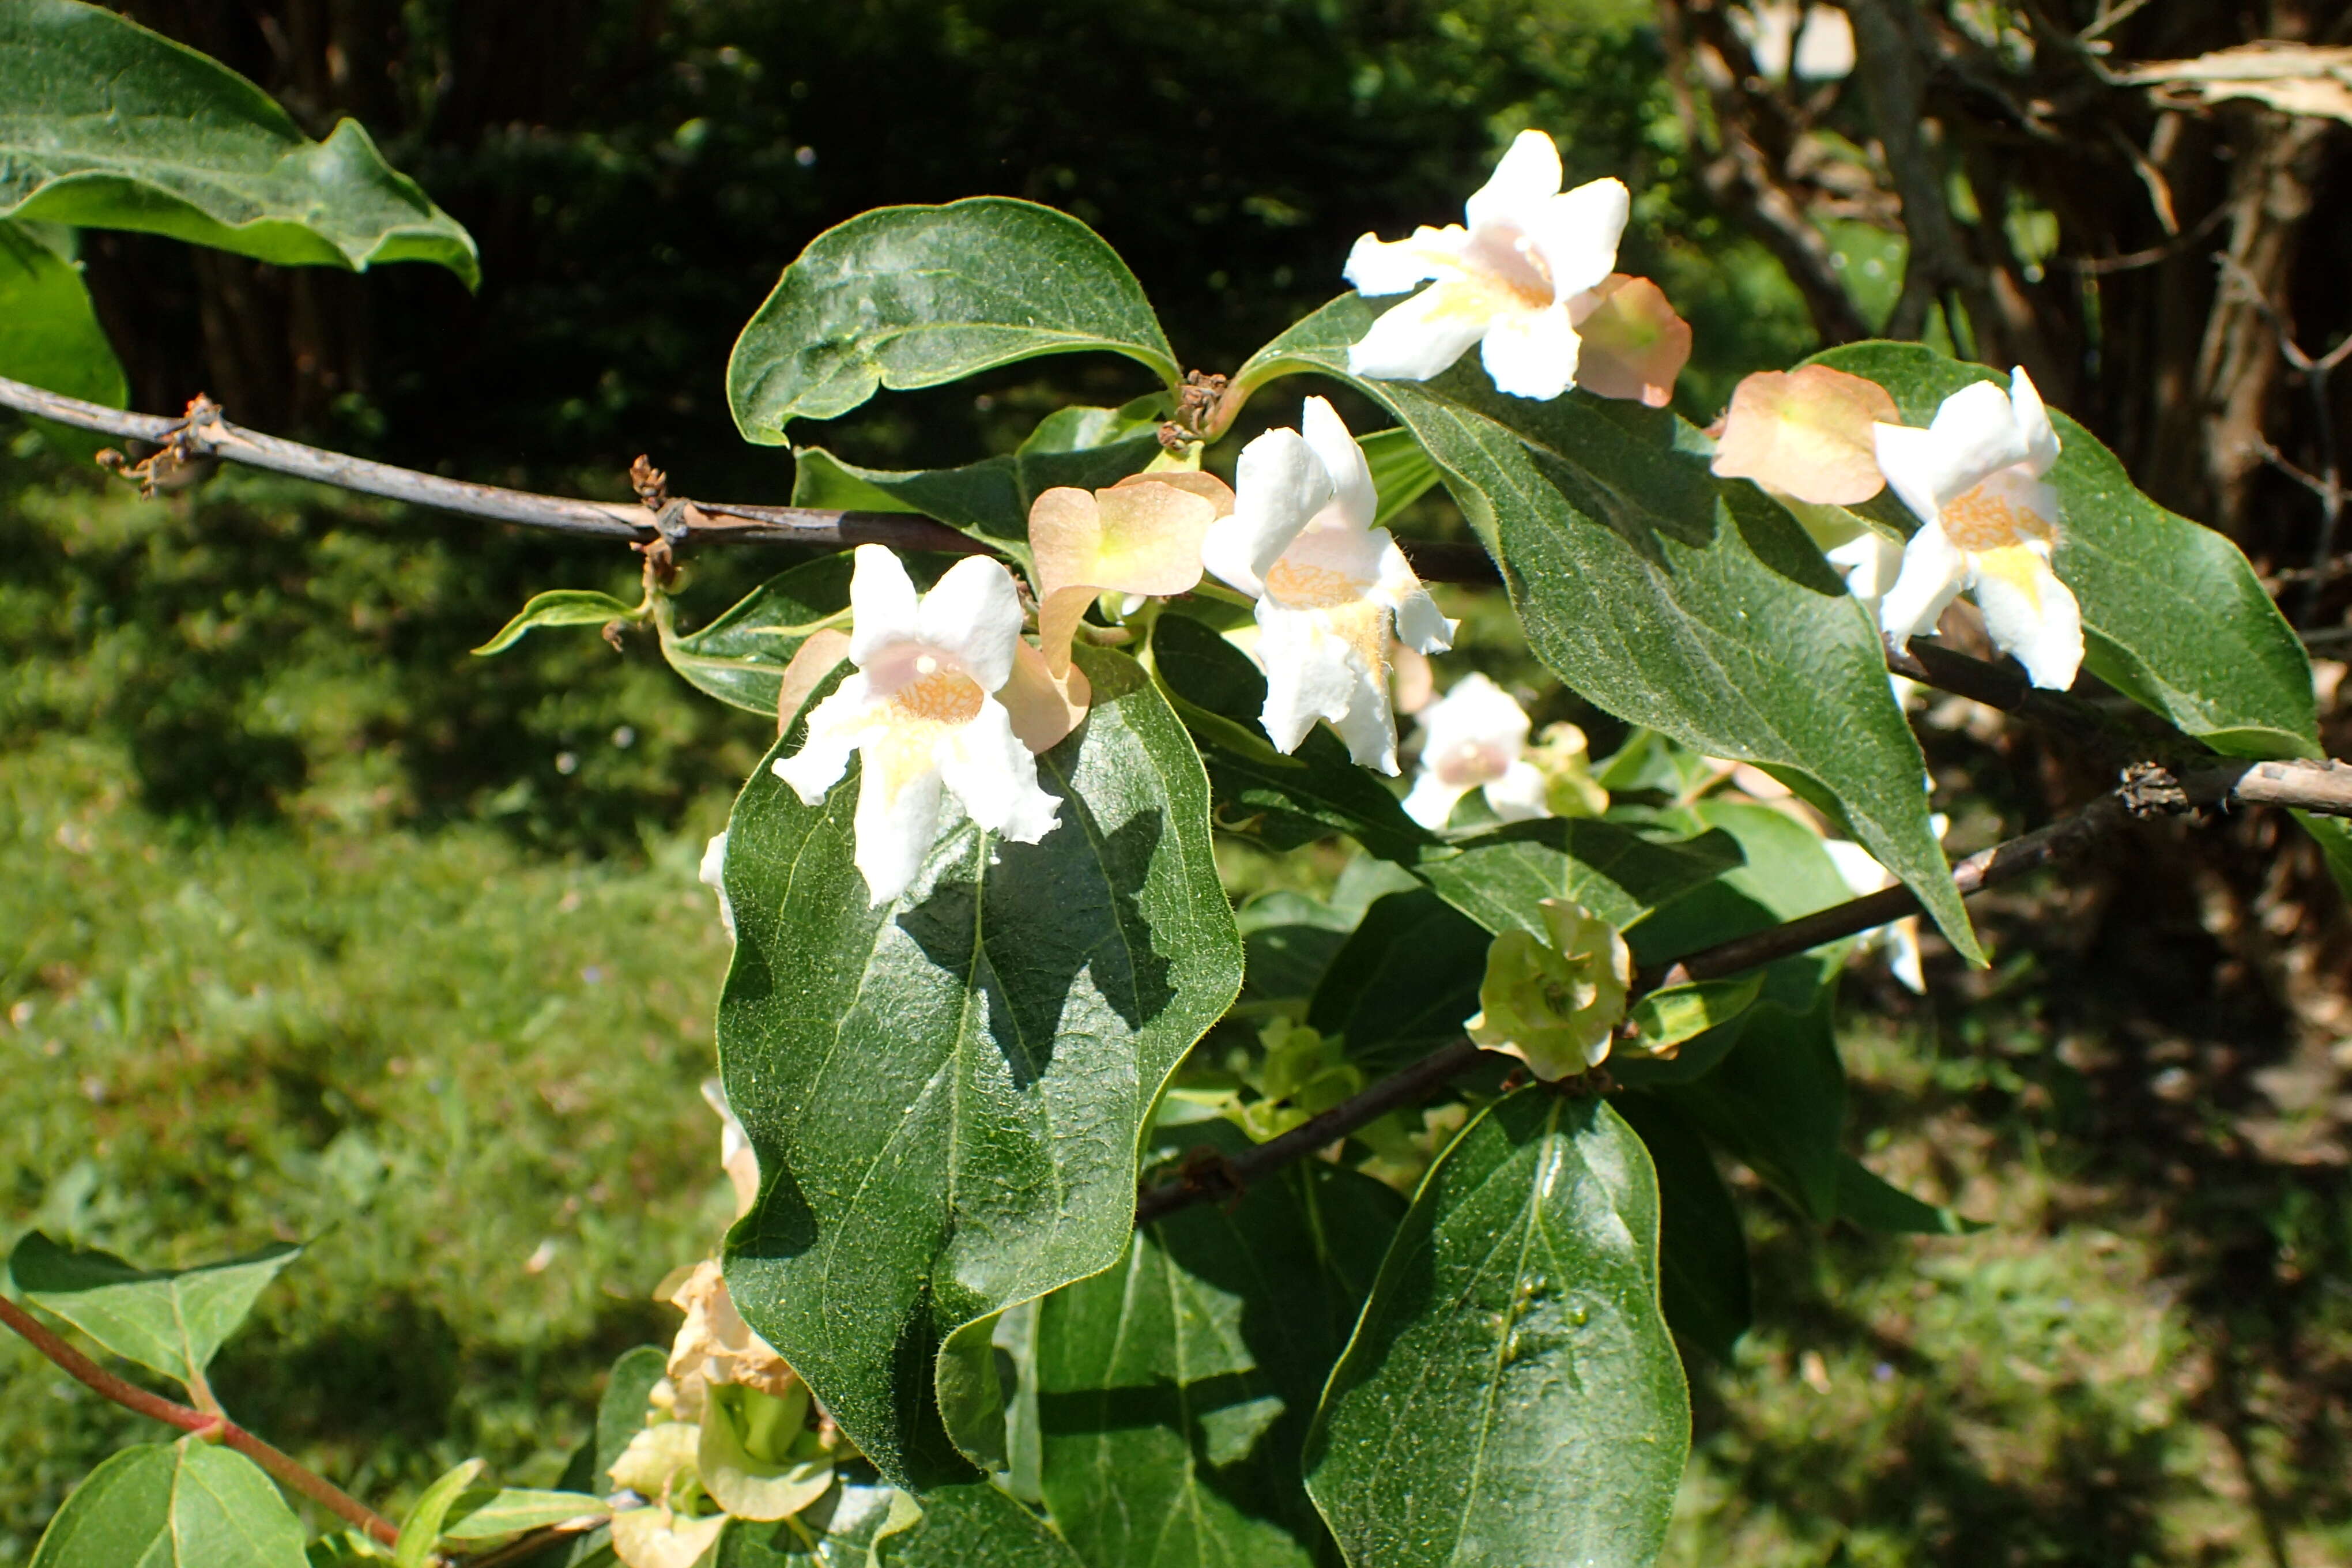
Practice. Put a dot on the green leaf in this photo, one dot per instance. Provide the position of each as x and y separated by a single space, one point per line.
1501 878
1777 1100
561 607
1289 940
1402 471
1404 980
1174 1390
172 1320
489 1515
422 1528
946 1094
188 1505
1512 1394
1674 600
1280 801
1673 1014
989 499
740 658
1866 1201
919 296
104 124
50 333
2173 615
1702 1253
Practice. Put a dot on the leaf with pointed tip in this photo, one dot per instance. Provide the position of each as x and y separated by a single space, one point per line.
1175 1389
487 1515
558 607
173 1319
1867 1200
740 657
422 1528
187 1505
1512 1394
910 297
2173 615
104 124
1694 606
946 1092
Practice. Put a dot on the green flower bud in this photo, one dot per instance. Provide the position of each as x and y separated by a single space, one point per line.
1555 1006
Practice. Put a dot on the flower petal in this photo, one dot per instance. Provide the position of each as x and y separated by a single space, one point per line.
1527 176
1934 572
1871 564
834 729
2032 421
1306 673
896 828
1520 794
1045 707
1532 353
882 602
1066 536
1631 344
1421 625
1326 434
1432 800
974 612
1807 433
986 767
1424 335
814 659
1392 267
2030 613
1577 232
1281 484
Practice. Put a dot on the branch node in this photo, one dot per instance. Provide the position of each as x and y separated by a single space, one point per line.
2150 789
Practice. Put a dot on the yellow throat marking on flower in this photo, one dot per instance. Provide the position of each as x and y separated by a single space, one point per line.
2016 565
1297 587
1984 519
911 721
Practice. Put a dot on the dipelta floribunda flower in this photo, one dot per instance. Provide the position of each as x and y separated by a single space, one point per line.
1331 589
1475 738
1555 1003
923 714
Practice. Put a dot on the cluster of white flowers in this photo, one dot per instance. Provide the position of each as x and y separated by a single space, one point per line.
947 697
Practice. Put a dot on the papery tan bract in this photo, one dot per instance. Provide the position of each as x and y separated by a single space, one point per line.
1634 345
1806 433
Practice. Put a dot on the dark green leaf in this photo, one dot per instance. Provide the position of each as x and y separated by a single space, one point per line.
172 1320
916 296
989 499
1500 878
2173 615
189 1505
104 124
1777 1100
422 1528
1702 1252
1512 1394
1404 981
1289 940
1671 599
50 333
1281 801
972 1525
561 607
946 1094
1864 1200
740 657
1175 1389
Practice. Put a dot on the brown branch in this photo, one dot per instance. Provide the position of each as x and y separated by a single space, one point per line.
212 1428
2321 787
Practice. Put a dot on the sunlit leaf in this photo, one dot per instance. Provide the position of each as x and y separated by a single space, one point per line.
188 1505
173 1319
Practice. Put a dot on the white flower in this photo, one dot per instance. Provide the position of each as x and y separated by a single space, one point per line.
712 874
1328 584
922 714
1511 281
1866 876
1988 520
1476 737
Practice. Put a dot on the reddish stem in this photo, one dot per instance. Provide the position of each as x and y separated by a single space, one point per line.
212 1427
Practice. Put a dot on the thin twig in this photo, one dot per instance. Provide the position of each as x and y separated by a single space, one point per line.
213 1429
2321 787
